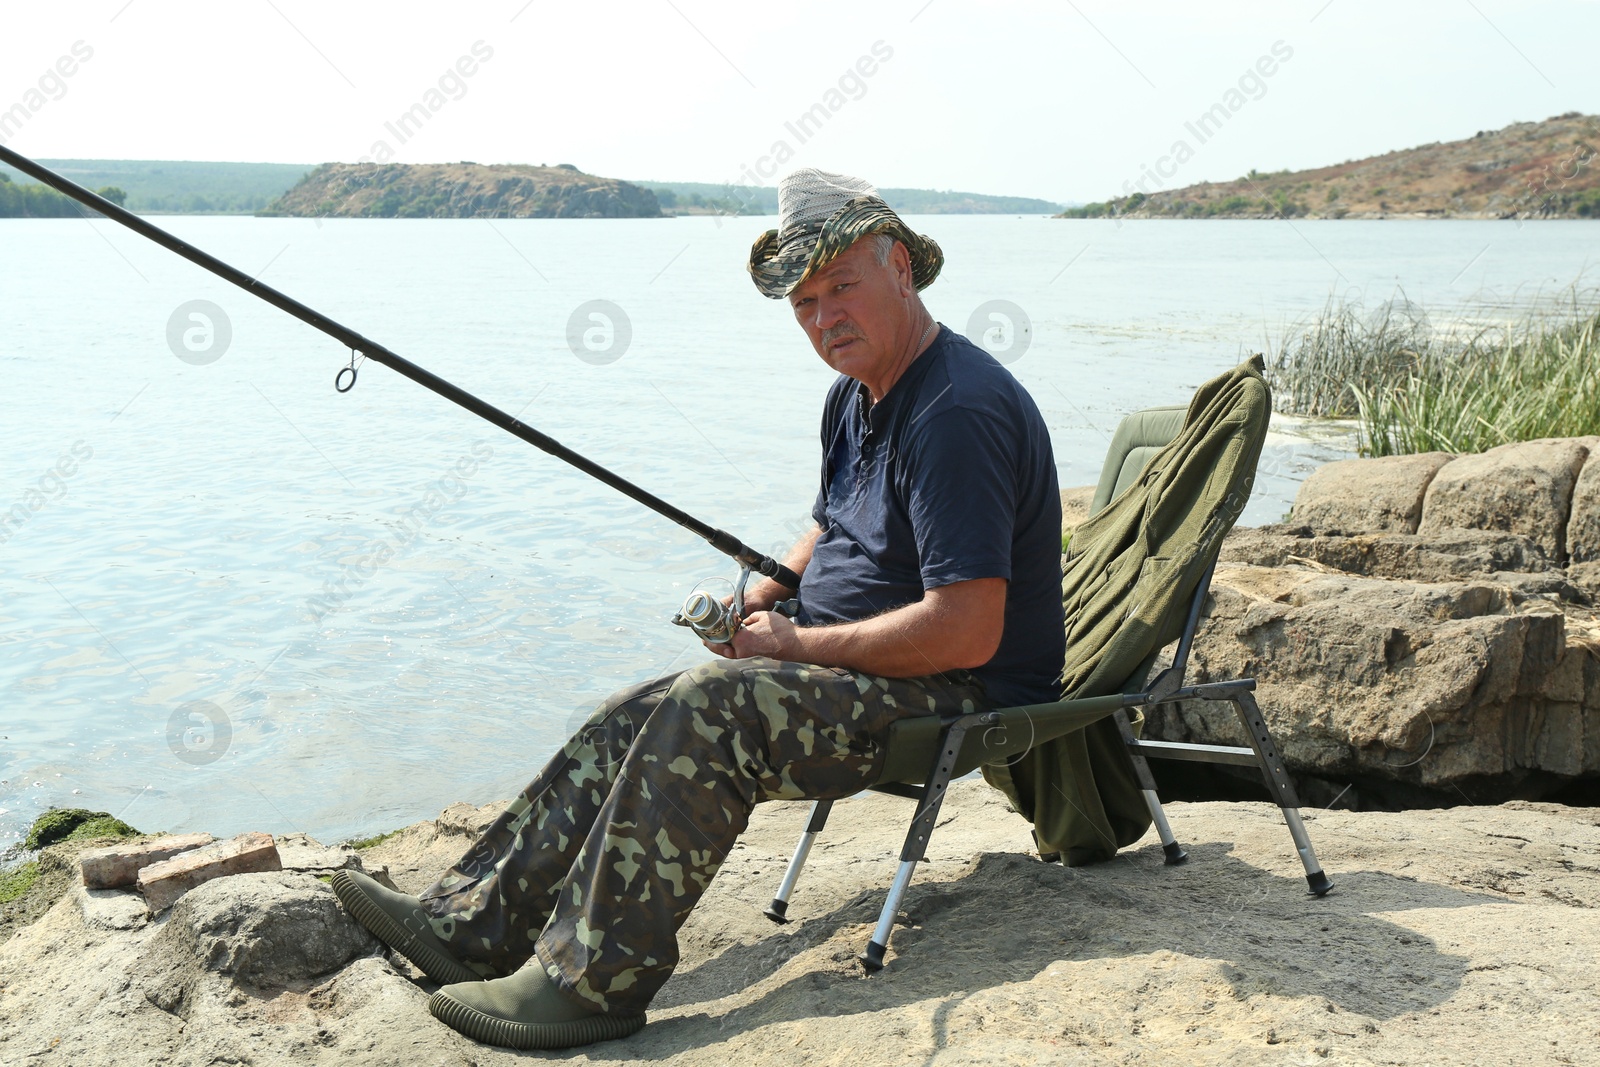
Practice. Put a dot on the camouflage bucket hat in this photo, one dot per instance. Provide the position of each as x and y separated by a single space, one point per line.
821 215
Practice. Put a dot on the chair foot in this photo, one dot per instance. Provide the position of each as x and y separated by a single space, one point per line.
1175 854
777 911
1319 883
872 958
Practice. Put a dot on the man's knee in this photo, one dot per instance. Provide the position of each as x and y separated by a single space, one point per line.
717 681
758 696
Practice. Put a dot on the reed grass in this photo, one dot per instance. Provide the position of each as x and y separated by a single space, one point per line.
1414 389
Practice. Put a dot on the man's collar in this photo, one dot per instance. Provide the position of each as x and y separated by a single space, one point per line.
873 414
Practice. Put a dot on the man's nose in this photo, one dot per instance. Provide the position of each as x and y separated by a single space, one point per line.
829 313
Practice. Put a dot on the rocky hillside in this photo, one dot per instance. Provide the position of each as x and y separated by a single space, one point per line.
1548 169
463 191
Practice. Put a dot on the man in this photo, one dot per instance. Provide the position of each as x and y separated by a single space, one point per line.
930 584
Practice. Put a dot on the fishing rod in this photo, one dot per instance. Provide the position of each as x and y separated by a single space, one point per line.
700 612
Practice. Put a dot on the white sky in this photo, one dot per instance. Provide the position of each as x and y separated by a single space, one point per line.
1065 100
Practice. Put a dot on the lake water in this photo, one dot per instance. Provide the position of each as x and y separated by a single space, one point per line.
195 632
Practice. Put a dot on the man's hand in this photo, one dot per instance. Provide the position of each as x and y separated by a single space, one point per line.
765 633
760 597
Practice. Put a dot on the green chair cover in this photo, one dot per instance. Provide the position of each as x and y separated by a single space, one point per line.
1130 575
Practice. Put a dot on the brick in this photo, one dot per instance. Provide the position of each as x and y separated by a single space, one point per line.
119 865
163 883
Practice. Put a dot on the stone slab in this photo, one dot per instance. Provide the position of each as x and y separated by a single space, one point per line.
163 883
119 865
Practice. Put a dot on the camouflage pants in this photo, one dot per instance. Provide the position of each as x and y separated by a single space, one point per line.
595 866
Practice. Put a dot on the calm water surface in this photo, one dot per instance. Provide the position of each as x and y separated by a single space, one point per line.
235 599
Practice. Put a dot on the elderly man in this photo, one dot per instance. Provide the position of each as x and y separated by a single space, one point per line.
930 584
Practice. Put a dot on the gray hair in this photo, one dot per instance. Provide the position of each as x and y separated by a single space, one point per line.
882 245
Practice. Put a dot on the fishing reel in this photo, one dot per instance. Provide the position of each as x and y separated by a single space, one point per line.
716 622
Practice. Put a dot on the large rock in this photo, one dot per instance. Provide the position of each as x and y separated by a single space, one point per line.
1583 526
1523 488
263 930
1367 495
1448 687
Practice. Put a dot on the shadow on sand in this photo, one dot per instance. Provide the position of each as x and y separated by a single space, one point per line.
1014 916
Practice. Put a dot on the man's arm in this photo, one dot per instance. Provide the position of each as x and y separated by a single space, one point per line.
952 627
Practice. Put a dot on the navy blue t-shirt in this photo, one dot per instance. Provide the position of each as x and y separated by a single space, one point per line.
949 477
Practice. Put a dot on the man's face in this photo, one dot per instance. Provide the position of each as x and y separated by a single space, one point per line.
856 311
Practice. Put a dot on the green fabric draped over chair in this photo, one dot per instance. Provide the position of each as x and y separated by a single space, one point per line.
1129 575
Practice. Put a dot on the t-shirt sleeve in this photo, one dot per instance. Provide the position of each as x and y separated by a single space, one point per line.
961 483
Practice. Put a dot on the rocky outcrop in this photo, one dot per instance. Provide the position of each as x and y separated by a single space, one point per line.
1421 630
1452 937
463 191
1465 690
263 931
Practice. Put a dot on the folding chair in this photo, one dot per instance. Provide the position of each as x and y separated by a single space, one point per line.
925 753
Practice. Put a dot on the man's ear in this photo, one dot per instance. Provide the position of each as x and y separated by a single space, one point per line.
900 260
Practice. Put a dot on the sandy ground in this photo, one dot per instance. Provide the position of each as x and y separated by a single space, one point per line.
1453 937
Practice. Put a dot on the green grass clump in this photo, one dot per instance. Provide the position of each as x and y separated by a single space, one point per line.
1413 390
74 824
1345 354
365 843
17 880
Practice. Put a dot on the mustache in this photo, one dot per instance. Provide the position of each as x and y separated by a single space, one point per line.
841 332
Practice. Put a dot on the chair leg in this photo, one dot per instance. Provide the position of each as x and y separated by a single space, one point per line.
1147 785
1281 786
777 911
917 834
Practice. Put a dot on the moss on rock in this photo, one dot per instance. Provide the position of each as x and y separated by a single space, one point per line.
17 880
363 843
74 824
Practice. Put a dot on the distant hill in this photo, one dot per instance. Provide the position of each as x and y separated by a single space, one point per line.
192 187
180 186
709 198
463 191
1548 169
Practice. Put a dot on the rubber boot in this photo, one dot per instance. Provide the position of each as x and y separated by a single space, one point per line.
399 921
526 1011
